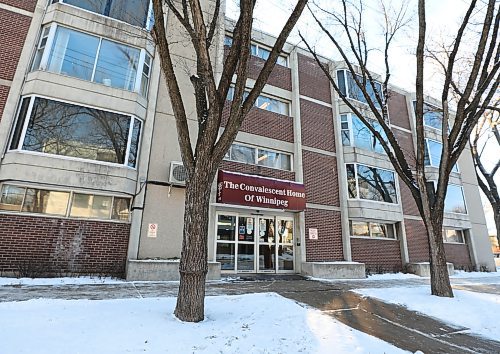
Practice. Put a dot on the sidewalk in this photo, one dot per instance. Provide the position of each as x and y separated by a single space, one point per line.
394 324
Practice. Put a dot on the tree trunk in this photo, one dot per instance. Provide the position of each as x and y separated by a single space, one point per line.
440 280
193 266
496 216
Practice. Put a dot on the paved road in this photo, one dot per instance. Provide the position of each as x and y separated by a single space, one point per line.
394 324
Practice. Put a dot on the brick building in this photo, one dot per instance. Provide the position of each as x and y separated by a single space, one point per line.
90 179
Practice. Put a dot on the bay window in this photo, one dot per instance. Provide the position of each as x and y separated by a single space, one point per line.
257 156
58 128
349 88
41 201
355 133
372 229
77 54
371 183
134 12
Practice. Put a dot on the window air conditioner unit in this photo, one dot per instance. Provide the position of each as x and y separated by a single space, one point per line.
178 174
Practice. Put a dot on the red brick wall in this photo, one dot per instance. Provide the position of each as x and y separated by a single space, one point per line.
328 246
256 170
398 110
312 80
280 76
317 125
4 93
28 5
53 246
416 239
459 255
264 123
320 178
405 141
378 255
13 30
418 247
409 204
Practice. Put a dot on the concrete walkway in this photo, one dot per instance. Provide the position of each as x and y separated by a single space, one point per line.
394 324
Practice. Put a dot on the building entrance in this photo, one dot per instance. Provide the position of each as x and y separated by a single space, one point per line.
255 244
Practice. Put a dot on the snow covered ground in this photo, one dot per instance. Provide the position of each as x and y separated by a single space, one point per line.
59 281
477 311
255 323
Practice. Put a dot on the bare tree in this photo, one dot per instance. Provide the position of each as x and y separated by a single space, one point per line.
469 96
209 149
486 136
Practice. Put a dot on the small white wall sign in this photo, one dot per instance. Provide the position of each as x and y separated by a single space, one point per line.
313 234
152 230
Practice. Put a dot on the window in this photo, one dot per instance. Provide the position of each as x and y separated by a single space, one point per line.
372 229
92 58
433 116
258 51
349 88
32 200
371 183
355 133
265 102
432 154
134 12
41 201
453 236
455 201
65 129
257 156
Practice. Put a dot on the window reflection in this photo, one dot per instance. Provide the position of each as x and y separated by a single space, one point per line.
69 130
371 183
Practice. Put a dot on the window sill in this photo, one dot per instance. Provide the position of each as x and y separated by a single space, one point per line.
51 216
374 238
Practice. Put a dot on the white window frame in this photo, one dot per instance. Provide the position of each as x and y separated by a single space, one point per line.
69 205
347 87
393 226
256 154
19 147
43 66
396 184
430 156
260 46
149 17
352 142
287 103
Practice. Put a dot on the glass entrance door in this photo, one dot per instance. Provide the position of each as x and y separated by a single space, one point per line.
255 244
266 249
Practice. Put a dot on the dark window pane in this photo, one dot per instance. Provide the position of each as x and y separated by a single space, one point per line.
285 257
226 226
117 65
65 129
341 81
246 256
134 12
20 123
351 181
98 6
376 184
73 53
134 143
225 255
356 93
